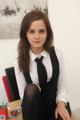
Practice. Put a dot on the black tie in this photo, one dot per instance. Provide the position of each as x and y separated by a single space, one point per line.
42 74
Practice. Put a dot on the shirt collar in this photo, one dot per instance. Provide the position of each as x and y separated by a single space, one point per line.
34 56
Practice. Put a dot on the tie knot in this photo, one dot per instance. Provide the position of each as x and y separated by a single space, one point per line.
39 60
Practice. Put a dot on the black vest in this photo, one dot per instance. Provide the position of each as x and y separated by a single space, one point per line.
51 86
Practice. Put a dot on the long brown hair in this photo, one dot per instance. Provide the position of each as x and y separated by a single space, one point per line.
23 46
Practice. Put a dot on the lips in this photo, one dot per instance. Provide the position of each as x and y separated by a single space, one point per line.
37 41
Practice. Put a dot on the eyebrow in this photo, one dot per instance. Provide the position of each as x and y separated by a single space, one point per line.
39 29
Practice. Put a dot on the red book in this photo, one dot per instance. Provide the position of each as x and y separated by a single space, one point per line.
7 88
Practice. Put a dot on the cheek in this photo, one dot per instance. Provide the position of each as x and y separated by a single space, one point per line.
45 36
28 37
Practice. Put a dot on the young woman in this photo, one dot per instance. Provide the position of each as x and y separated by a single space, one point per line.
43 90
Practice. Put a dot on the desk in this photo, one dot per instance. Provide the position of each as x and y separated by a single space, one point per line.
17 103
74 117
13 105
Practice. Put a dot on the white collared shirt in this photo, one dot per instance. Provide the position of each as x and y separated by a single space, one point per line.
62 91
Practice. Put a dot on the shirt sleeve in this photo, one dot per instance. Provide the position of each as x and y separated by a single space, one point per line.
62 88
20 79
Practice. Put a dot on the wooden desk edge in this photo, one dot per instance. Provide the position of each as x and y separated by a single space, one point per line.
13 105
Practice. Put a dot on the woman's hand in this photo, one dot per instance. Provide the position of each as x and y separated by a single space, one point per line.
62 111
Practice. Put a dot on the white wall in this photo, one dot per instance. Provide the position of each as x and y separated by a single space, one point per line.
8 52
65 19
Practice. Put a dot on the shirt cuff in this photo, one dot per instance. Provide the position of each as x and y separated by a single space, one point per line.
62 97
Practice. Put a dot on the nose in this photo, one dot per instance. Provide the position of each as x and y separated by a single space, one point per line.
37 35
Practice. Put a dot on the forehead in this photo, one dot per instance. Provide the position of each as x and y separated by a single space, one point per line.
37 24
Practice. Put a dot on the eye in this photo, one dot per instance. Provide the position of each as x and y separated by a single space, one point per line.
42 31
31 31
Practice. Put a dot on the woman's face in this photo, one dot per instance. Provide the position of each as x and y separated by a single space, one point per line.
37 35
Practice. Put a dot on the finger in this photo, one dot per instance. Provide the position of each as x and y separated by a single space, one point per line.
67 116
63 116
56 114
